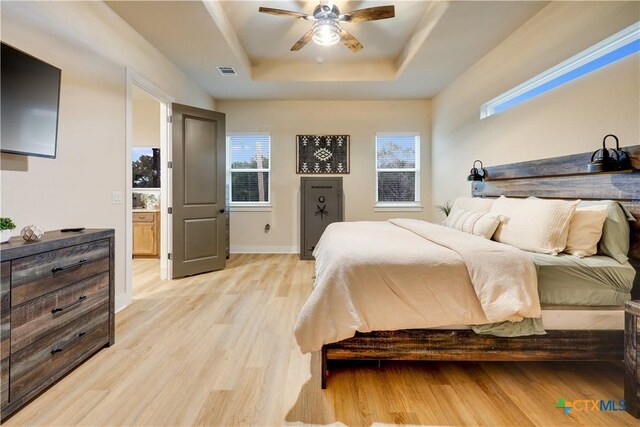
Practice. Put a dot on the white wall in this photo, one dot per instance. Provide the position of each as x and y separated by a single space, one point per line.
146 119
283 120
570 119
92 45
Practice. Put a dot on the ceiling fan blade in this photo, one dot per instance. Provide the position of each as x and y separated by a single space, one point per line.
282 12
369 14
306 38
350 41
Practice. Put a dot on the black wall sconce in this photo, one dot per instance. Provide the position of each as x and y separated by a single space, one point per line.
609 159
476 174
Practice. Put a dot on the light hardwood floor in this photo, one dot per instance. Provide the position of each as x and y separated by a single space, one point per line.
218 349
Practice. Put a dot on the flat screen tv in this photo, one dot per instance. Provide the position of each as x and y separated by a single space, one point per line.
30 92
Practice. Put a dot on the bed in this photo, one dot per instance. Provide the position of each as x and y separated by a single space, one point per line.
589 329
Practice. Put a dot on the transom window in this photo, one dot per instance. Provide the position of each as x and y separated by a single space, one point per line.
397 169
249 167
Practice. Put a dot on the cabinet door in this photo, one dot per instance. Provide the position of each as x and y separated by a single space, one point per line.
144 238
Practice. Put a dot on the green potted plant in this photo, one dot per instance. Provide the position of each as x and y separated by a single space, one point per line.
446 208
6 225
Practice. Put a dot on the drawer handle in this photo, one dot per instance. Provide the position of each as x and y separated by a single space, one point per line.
59 349
70 266
68 306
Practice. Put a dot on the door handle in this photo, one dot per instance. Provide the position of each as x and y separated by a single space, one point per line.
222 210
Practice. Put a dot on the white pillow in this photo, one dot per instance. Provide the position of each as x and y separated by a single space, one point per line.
536 225
478 223
478 204
585 230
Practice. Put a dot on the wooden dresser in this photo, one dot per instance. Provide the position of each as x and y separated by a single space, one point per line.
146 233
57 309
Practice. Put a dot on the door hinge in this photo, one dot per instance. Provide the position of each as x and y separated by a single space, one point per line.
170 210
170 255
170 165
170 119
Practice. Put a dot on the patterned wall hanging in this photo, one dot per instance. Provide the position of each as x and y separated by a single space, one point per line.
322 154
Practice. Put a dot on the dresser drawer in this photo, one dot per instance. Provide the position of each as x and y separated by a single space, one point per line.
34 319
39 365
143 216
46 272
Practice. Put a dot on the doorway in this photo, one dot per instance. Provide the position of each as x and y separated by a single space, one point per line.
191 157
147 181
148 185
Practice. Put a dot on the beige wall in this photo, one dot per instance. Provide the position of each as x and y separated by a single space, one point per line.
92 45
146 119
283 120
570 119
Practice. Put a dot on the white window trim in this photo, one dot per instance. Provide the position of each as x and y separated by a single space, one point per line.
248 206
414 206
596 51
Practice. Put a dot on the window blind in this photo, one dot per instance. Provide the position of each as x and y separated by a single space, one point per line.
249 168
397 168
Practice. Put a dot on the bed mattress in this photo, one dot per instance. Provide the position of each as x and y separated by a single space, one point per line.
555 318
592 281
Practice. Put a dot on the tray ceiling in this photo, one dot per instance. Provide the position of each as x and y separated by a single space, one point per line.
414 55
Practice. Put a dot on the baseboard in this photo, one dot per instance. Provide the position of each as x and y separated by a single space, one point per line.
122 301
242 249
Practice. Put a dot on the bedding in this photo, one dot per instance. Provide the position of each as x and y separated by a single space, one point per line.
536 225
585 230
615 233
474 222
404 274
594 281
478 204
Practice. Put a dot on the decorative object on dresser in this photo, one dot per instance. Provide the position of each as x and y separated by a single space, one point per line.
554 178
146 233
6 227
321 203
322 154
57 309
31 233
631 357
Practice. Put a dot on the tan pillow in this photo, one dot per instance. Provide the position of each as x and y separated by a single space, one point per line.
585 230
536 225
478 204
478 223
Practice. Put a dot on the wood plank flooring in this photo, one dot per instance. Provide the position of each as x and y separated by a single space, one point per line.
218 349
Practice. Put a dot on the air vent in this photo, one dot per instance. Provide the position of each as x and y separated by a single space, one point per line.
227 71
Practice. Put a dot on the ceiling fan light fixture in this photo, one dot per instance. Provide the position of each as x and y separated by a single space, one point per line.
326 32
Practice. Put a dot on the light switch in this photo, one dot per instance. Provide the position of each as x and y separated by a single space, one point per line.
117 197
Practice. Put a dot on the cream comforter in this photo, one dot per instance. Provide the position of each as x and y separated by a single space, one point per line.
404 274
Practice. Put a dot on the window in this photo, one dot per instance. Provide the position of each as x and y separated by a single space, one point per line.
248 166
609 50
397 169
146 167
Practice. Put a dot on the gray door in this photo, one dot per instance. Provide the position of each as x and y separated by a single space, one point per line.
320 205
199 229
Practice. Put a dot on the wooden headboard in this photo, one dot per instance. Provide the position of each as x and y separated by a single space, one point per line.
566 177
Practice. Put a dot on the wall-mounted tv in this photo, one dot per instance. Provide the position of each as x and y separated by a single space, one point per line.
30 92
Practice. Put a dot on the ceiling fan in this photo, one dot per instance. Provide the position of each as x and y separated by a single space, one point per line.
326 28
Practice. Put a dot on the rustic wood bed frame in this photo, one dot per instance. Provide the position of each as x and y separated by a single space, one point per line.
561 178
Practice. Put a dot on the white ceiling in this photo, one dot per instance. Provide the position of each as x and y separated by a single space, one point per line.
414 55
